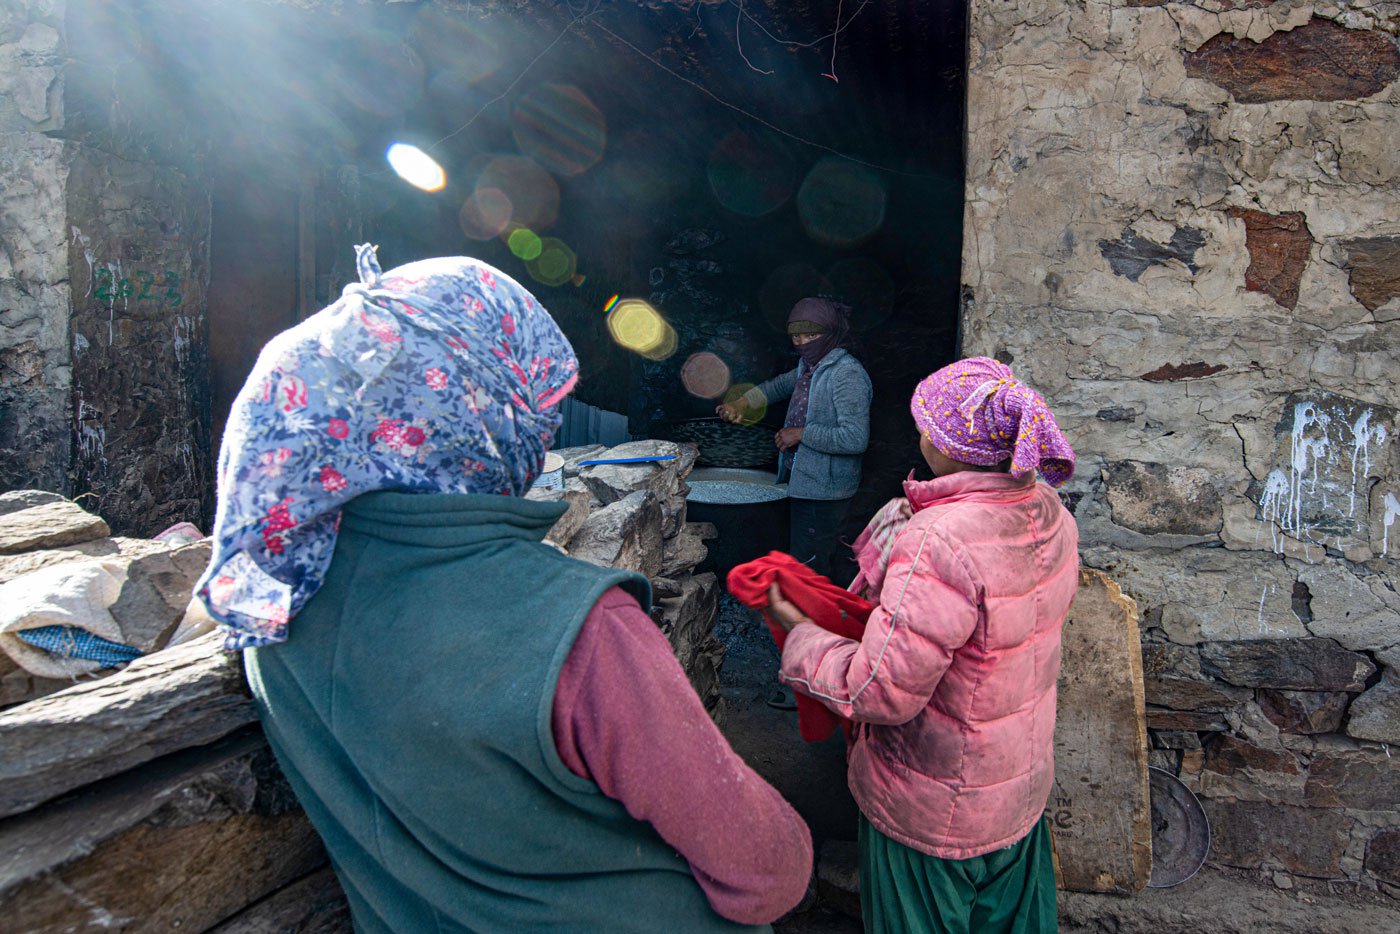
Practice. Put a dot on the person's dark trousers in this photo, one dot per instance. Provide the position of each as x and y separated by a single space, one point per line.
815 537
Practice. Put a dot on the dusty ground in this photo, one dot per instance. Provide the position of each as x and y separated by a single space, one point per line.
1218 900
1223 901
812 777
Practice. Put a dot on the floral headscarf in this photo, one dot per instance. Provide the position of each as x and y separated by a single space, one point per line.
440 376
976 411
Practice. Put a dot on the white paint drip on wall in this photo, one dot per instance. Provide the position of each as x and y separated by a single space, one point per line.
1392 512
1362 434
80 238
1315 438
1274 505
184 335
1305 453
1263 626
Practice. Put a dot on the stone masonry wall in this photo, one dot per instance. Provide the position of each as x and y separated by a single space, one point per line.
1183 226
139 240
103 274
34 357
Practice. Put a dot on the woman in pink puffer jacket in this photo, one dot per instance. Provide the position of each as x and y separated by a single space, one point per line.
952 686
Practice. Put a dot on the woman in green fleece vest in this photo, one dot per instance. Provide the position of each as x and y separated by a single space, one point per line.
489 735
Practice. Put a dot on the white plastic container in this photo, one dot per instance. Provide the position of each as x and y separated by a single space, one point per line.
552 476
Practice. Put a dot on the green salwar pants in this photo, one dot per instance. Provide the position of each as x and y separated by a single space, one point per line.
903 891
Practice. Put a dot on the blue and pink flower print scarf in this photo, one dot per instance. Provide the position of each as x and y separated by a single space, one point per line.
441 376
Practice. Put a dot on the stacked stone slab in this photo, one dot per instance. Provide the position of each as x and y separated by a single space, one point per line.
158 765
633 516
162 763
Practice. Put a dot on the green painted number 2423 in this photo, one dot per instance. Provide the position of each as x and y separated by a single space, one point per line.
146 287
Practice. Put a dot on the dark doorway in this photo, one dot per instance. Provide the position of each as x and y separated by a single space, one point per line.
253 278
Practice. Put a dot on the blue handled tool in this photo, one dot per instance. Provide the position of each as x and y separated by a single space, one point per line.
628 460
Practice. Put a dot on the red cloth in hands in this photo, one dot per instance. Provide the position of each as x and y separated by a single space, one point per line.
833 608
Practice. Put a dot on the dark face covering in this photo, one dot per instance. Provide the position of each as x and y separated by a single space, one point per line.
835 332
831 318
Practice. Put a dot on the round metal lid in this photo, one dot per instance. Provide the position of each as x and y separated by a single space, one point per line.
1180 830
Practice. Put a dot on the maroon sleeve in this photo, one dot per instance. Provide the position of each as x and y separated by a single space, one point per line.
626 717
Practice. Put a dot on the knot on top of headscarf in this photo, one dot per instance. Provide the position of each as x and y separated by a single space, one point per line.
367 264
982 394
977 412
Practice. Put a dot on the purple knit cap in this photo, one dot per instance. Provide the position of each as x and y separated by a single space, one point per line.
976 411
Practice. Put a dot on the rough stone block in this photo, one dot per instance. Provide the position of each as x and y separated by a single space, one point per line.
688 622
1366 778
18 686
1279 246
1194 721
1168 760
180 844
625 534
1375 715
49 525
665 587
1191 694
314 904
572 520
1304 712
1373 265
15 500
1231 755
157 592
12 566
684 552
1319 61
1175 739
1290 664
1155 498
1253 835
1383 855
611 482
186 696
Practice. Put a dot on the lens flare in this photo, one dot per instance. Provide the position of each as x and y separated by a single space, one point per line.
750 174
560 128
705 375
533 192
485 214
525 243
750 415
416 167
555 264
841 203
640 328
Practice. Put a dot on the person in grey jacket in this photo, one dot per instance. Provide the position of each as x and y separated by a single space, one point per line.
826 431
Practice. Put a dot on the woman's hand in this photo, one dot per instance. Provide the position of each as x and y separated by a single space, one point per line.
783 611
729 411
788 438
